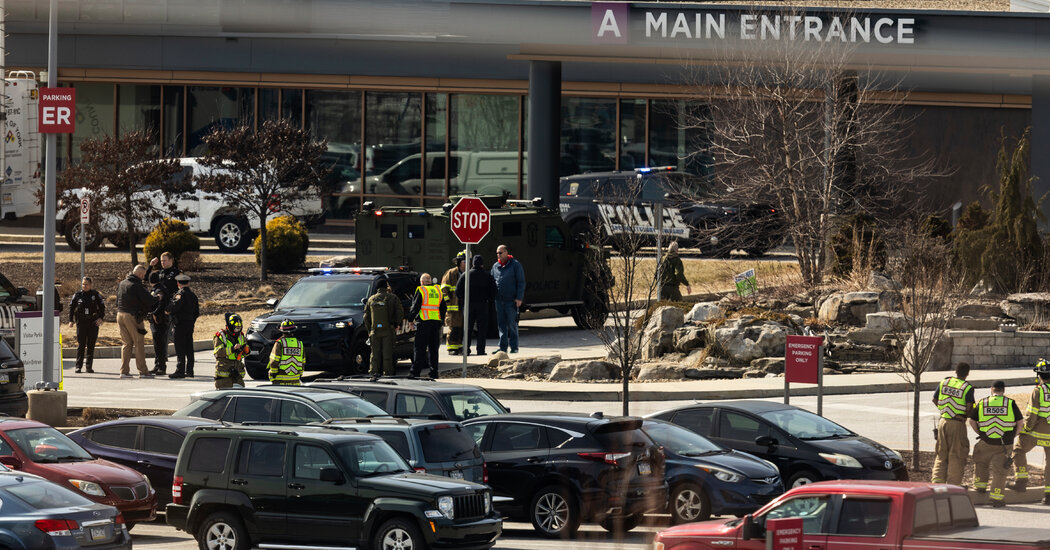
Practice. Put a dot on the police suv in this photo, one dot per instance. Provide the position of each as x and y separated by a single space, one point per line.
328 310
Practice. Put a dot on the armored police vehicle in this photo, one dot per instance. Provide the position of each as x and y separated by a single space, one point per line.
561 273
328 309
693 212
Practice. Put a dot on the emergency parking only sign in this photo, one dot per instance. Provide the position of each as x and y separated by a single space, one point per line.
56 109
784 534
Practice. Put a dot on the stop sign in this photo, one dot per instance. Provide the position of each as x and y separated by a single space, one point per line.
470 220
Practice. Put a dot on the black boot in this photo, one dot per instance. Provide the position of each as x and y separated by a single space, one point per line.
1046 498
1020 485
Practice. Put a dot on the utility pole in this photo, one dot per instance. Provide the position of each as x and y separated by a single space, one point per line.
48 308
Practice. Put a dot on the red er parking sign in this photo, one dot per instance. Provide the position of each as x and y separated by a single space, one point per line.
56 109
470 220
802 359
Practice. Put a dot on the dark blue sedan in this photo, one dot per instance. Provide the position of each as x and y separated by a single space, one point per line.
149 444
705 478
41 515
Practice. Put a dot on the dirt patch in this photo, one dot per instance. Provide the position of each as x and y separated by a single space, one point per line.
89 416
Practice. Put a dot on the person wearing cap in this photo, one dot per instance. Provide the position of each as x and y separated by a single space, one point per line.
453 316
954 400
996 419
1036 430
383 315
482 292
183 312
230 347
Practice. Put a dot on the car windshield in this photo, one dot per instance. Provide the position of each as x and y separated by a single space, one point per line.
47 444
679 440
325 292
471 404
43 495
805 425
349 407
369 458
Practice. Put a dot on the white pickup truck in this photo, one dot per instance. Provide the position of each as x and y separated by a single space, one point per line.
232 229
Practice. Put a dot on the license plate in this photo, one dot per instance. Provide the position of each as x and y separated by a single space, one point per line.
644 468
456 474
98 533
4 379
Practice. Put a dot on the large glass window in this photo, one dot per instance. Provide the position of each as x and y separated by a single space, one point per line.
138 108
632 134
208 108
286 103
671 143
484 131
588 133
335 115
94 116
393 130
173 123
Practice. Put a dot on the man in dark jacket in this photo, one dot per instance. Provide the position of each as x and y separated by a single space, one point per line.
134 302
86 312
510 291
158 323
482 292
167 272
183 311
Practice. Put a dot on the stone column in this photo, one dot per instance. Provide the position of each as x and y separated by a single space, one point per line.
544 121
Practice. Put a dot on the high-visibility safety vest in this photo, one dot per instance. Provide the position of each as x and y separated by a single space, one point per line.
995 416
431 309
231 349
288 367
449 291
951 397
1042 408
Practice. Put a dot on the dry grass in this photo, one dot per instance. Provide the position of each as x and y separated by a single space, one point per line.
710 276
207 325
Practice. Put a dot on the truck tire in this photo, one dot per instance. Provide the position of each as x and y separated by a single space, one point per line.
688 503
258 372
92 236
222 531
554 512
231 234
399 534
593 312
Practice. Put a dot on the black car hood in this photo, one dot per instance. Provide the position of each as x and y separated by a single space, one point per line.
857 446
414 483
736 461
311 314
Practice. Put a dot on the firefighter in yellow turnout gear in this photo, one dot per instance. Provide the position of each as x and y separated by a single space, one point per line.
230 347
1036 430
288 358
954 400
996 419
453 316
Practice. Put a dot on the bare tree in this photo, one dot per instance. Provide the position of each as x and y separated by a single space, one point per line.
801 126
262 172
626 226
121 177
922 265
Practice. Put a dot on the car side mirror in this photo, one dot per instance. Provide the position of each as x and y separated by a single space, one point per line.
332 475
11 461
272 302
766 441
750 529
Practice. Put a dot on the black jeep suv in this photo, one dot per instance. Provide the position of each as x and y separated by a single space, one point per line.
243 487
559 469
328 308
419 398
694 212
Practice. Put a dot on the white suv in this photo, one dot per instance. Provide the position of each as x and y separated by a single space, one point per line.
231 228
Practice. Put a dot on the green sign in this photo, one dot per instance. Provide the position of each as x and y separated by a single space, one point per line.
746 283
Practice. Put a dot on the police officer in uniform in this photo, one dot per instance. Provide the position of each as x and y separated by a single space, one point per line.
183 312
453 316
1036 429
288 358
996 419
86 312
230 348
954 400
167 272
158 323
383 314
427 309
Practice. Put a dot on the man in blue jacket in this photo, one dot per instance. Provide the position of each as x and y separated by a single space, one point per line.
510 291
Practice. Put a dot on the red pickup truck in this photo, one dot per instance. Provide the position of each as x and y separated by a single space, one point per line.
861 515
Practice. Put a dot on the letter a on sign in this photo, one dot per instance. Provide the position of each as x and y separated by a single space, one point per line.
56 110
610 22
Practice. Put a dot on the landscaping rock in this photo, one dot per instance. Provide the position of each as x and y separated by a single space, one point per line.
747 338
1028 307
768 365
529 365
660 371
666 319
496 358
940 358
979 310
866 336
881 281
885 321
715 373
849 308
689 338
583 371
704 311
339 261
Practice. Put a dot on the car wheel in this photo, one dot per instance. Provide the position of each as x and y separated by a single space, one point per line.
620 525
805 477
222 531
689 503
582 229
92 236
554 512
399 534
231 234
258 372
360 357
